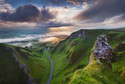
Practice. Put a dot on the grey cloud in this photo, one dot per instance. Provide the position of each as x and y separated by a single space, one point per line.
58 24
80 2
27 13
55 24
46 15
104 9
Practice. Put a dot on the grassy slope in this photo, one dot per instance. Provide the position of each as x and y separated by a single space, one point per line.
38 66
119 63
10 73
36 62
96 74
69 59
79 53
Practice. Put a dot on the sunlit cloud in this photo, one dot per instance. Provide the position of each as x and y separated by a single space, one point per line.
65 14
49 39
88 15
12 25
64 30
5 7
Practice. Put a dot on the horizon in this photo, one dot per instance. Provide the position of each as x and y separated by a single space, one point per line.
58 17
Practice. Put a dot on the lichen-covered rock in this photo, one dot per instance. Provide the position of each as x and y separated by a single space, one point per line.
102 49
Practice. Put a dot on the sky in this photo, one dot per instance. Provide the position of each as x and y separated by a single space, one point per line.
62 15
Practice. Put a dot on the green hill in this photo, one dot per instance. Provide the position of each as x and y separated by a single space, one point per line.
23 65
73 53
73 59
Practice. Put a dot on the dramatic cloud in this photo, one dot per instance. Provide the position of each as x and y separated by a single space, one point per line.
102 10
14 25
5 7
27 13
49 2
46 14
57 24
81 2
58 13
68 2
58 2
39 2
22 14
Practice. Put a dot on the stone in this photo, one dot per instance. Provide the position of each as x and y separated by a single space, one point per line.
102 49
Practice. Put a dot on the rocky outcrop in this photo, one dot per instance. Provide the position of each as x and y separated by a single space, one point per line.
102 49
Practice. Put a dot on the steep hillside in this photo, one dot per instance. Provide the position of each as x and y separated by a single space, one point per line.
85 57
11 71
23 65
99 70
73 53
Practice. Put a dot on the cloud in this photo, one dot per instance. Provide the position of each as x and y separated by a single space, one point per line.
5 7
46 14
39 2
14 25
22 14
58 2
68 2
102 10
81 2
57 24
27 13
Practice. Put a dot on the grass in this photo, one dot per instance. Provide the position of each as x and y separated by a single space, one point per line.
65 64
99 72
96 73
38 66
71 61
118 66
10 72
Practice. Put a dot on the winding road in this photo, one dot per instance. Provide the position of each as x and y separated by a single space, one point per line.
51 68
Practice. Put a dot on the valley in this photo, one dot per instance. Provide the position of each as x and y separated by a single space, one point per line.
71 61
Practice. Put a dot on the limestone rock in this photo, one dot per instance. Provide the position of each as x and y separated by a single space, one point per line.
102 49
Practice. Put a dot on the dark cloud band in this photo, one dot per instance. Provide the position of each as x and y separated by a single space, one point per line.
102 10
27 13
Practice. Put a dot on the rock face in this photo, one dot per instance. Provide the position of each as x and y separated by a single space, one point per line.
102 49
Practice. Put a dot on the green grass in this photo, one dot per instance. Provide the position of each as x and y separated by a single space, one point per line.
38 66
71 62
37 63
118 66
97 72
65 64
10 73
